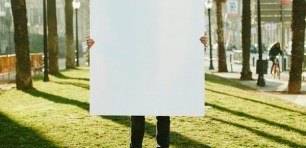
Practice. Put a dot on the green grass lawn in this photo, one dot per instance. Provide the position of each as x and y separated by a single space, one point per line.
56 114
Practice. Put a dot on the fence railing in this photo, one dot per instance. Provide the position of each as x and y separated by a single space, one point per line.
8 66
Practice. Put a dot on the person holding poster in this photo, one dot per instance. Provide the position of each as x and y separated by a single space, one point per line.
147 61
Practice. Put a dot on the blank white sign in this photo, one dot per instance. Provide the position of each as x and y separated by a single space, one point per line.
147 59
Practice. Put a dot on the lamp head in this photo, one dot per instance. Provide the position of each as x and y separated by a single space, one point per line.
7 5
208 4
76 4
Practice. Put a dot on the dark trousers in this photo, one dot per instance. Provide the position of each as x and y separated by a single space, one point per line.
162 131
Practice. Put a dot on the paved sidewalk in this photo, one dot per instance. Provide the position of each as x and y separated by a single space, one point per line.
273 86
7 86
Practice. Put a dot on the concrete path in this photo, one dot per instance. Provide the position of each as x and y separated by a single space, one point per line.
7 79
275 87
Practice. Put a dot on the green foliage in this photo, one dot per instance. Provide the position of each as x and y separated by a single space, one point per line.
37 44
62 47
56 114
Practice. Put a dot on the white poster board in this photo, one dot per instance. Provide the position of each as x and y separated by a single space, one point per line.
147 59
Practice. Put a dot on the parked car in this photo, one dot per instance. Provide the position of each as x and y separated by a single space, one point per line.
230 46
227 45
264 47
253 48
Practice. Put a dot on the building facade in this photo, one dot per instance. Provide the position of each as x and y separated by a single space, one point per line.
35 23
6 30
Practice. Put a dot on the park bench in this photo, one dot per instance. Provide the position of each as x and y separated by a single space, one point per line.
37 63
37 67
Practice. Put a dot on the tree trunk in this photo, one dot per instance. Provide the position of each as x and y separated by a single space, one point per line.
246 73
297 52
222 67
23 64
70 50
52 37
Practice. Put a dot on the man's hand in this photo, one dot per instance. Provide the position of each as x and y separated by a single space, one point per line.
89 41
203 39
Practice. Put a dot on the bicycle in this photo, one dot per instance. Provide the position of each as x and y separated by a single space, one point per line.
276 70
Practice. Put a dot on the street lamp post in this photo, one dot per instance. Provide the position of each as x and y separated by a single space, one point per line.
76 5
260 80
208 7
46 63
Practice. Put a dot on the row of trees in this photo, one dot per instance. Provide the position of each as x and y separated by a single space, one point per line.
298 37
23 69
21 39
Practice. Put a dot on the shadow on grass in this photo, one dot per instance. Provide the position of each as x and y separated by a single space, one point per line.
13 134
255 101
228 82
57 99
82 85
61 76
271 123
180 140
277 139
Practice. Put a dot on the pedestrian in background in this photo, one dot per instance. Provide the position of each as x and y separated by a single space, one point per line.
274 51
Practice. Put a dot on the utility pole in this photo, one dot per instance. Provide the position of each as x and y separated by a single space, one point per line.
46 63
260 66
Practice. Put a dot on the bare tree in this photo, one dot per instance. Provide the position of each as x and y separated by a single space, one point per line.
70 51
222 67
246 73
297 52
23 64
52 37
